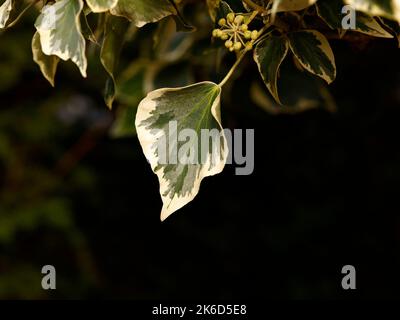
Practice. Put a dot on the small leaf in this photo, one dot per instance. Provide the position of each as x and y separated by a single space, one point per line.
141 12
386 8
60 32
291 5
368 25
5 10
114 31
314 53
47 64
269 55
101 5
195 107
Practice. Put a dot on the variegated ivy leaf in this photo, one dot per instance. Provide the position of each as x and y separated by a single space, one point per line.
47 64
291 5
60 32
163 120
331 12
386 8
141 12
5 10
368 25
269 54
101 5
314 53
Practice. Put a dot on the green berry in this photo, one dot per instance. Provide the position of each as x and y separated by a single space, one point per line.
215 33
224 36
247 35
239 19
254 35
222 22
230 17
229 44
237 46
244 27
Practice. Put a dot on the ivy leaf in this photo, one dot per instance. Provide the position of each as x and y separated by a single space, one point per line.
291 5
331 12
114 31
368 25
314 53
101 5
392 26
386 8
60 32
269 55
212 8
5 10
47 64
141 12
193 107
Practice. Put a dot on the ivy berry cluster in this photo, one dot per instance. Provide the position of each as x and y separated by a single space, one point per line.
234 30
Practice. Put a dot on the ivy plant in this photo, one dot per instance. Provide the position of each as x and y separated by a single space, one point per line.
266 31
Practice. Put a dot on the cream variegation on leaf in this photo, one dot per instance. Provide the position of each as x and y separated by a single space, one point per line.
5 10
60 32
313 52
194 107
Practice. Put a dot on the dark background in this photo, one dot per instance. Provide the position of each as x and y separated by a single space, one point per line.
324 192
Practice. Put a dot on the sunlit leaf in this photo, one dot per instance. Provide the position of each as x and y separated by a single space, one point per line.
47 64
60 32
195 107
291 5
101 5
5 10
141 12
386 8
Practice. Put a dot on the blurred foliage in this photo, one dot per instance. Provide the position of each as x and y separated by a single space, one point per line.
72 195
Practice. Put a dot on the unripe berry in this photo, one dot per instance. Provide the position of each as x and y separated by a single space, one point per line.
222 22
219 33
247 35
230 17
249 46
239 19
228 44
215 33
237 46
254 35
244 27
231 49
224 36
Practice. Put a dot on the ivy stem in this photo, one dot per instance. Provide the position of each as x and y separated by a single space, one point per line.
227 77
